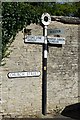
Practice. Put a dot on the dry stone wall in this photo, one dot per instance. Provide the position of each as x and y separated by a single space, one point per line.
22 97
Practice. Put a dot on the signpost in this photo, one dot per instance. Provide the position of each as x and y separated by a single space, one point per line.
46 19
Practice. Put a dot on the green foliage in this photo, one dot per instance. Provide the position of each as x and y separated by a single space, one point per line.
16 15
77 9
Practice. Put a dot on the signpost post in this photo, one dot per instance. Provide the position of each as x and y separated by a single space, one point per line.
46 19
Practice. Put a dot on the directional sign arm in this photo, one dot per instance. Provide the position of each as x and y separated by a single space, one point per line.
40 39
34 39
56 40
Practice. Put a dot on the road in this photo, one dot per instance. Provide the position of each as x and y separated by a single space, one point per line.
60 117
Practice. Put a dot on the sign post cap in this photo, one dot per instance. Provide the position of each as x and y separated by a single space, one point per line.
46 18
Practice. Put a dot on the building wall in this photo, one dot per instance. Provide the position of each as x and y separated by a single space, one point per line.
22 97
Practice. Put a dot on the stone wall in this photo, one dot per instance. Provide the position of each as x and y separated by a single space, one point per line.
66 19
79 62
63 69
22 97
